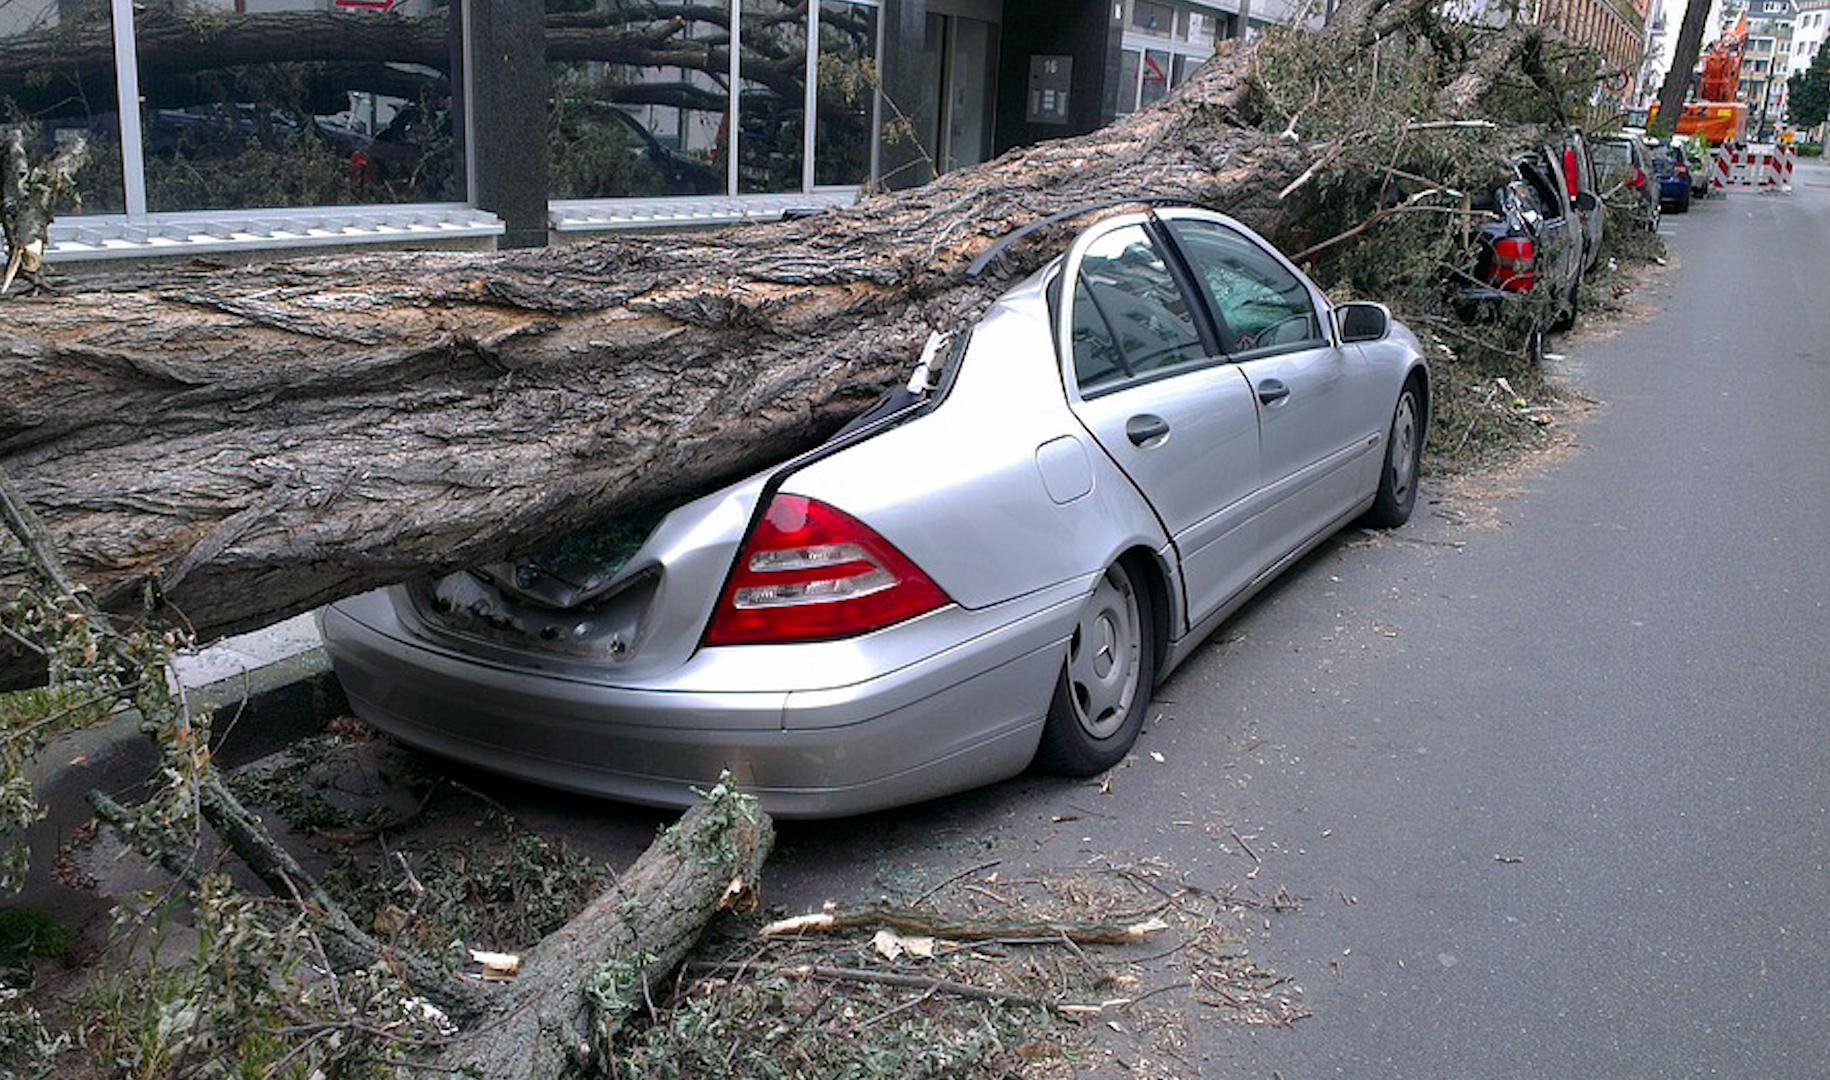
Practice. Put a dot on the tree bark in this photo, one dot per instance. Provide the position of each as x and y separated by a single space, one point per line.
263 440
583 982
1683 60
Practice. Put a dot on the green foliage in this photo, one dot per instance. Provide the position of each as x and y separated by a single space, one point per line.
27 1047
1416 190
252 1001
1809 103
27 936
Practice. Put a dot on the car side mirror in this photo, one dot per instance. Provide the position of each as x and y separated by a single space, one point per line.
1587 202
1362 322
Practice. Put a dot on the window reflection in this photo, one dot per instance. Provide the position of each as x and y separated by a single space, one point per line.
774 89
847 93
57 78
623 123
1139 320
295 105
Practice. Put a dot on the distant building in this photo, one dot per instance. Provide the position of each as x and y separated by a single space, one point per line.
1615 28
1810 31
1651 77
1765 62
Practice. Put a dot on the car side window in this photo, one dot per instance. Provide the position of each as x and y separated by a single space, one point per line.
1130 316
1261 304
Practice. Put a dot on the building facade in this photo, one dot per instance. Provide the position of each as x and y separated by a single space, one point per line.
228 125
1765 62
1615 28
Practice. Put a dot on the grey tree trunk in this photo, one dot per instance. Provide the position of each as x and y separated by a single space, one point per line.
1683 61
259 441
583 982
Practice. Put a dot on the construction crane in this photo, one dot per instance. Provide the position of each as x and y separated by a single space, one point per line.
1716 114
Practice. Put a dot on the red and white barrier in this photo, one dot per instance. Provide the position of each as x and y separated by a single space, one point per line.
1766 169
1719 168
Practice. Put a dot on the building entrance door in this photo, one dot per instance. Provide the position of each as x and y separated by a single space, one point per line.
957 76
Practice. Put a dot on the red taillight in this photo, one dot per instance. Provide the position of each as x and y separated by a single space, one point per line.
809 572
1569 171
1639 178
1683 169
1511 268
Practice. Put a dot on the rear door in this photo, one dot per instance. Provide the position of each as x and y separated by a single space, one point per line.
1145 375
1558 234
1588 190
1321 411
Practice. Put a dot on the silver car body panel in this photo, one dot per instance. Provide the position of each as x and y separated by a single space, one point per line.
1003 493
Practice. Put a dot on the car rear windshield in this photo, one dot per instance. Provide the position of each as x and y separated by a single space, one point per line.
1612 157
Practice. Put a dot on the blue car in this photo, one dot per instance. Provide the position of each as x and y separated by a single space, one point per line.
1673 171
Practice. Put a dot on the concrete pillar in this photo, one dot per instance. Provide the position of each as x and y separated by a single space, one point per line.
506 95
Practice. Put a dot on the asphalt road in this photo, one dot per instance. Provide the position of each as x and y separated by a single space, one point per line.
1625 686
1621 689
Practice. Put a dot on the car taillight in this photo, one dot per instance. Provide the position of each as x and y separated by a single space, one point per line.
1639 178
1682 169
810 572
1569 170
1511 268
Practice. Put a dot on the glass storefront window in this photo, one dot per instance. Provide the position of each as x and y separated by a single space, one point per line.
59 81
1152 18
847 93
618 128
1156 76
1127 81
296 105
773 99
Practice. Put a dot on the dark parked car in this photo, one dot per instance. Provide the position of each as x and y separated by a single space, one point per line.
1531 244
1672 168
1624 160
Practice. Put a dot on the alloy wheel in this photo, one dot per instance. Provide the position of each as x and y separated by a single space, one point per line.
1104 656
1404 447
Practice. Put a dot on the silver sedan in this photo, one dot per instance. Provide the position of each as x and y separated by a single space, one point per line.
993 568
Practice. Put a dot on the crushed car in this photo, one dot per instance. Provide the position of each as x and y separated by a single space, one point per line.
1530 241
993 568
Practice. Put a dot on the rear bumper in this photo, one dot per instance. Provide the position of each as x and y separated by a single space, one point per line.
968 715
1482 303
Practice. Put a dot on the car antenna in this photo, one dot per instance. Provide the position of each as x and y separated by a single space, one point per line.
986 257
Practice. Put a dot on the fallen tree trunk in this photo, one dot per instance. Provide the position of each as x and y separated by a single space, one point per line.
259 441
266 439
582 983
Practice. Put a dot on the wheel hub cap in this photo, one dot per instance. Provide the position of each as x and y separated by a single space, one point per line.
1404 447
1103 657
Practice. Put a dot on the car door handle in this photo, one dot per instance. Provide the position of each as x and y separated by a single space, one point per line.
1145 428
1272 391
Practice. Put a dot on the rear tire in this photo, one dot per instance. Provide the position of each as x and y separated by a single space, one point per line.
1104 688
1567 317
1403 456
